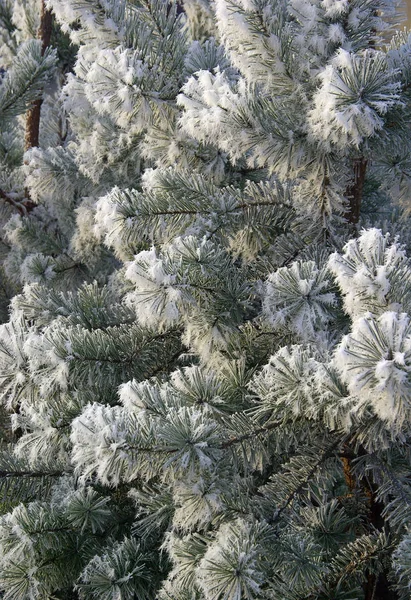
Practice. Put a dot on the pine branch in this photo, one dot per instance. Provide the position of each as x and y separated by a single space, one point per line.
129 360
22 207
248 436
223 446
205 211
165 368
361 553
328 453
30 474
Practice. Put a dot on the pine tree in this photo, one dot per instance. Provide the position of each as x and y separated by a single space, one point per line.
205 368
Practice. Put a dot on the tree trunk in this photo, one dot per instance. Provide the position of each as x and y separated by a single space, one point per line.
33 114
355 191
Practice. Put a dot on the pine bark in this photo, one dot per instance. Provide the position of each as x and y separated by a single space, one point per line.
34 112
355 191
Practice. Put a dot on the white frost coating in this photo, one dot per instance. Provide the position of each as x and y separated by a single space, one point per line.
154 268
103 32
112 84
179 549
141 396
11 529
98 437
87 236
195 385
307 13
318 31
154 299
99 142
74 99
336 33
44 444
64 12
12 229
335 8
32 167
197 503
263 63
205 99
402 562
206 341
195 440
235 553
288 381
150 179
121 569
48 370
13 360
345 112
300 297
364 271
37 268
375 363
107 219
131 395
26 19
28 363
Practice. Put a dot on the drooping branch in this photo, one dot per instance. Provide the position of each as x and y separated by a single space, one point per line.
33 114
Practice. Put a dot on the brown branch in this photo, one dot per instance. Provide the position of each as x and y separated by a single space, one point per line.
346 459
7 198
33 114
348 475
354 191
33 125
375 587
22 206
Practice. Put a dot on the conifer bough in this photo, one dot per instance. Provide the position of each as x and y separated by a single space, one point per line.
205 348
